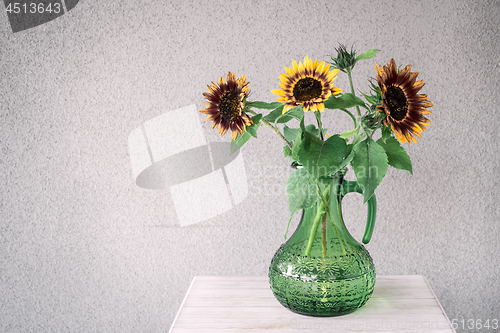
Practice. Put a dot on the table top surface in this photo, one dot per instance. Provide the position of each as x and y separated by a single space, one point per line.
227 304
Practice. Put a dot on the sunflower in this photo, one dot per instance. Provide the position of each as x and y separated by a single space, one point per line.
226 102
403 107
308 84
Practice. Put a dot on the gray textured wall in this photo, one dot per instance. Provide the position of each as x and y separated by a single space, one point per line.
84 249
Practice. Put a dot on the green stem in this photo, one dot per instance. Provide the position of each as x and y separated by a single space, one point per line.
336 230
352 89
317 218
357 138
275 130
333 222
352 116
320 125
323 236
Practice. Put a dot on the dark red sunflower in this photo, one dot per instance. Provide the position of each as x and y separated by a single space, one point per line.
404 108
226 102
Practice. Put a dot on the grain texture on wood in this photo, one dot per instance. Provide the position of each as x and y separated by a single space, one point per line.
230 304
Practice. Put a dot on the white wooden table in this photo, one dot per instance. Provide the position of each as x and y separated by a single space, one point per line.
227 304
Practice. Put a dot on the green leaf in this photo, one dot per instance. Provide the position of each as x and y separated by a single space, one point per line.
257 119
370 166
348 134
290 133
386 132
240 141
273 115
298 140
345 101
251 131
375 87
370 99
302 190
277 116
263 105
319 157
314 131
348 150
367 55
396 154
287 151
349 155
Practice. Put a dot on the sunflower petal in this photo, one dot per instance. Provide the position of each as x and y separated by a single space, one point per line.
279 92
288 107
336 91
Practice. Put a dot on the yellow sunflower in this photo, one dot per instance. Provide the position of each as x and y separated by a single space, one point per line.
226 102
404 108
308 84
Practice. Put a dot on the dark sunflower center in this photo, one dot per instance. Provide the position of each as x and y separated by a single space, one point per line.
398 103
307 89
229 105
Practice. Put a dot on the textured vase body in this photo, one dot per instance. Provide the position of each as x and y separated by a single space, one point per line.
338 275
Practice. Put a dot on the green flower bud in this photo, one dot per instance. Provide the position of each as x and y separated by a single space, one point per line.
345 60
371 120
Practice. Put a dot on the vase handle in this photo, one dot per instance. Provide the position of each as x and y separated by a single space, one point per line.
351 186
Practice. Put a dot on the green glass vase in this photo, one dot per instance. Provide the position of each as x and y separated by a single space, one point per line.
322 270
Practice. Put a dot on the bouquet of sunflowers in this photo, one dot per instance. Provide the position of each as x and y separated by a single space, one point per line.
392 106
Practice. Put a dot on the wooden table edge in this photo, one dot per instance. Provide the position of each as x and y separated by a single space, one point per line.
439 303
182 305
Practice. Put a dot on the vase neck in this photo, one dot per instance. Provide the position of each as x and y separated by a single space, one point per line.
324 219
